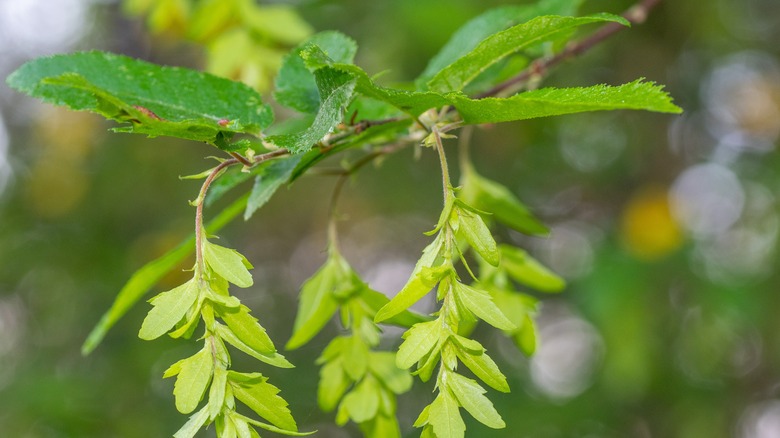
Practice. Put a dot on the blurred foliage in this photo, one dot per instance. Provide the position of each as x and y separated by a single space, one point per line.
665 227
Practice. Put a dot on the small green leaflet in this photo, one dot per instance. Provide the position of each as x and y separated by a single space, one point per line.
317 303
472 397
480 303
483 367
274 359
419 341
268 180
227 263
502 44
169 308
194 375
526 270
417 287
262 398
296 87
491 21
333 384
362 403
193 425
217 391
382 365
444 417
268 427
147 98
247 329
477 234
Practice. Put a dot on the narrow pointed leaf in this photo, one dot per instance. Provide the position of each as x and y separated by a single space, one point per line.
271 427
193 425
486 24
472 397
274 358
317 304
268 181
146 98
169 308
502 44
525 269
383 365
417 287
477 234
483 306
333 384
483 367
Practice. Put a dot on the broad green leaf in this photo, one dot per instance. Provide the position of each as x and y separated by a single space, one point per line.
268 181
444 417
146 98
169 308
417 287
362 403
546 102
496 199
317 304
483 306
193 425
491 21
418 341
151 273
504 43
274 358
471 396
375 300
477 234
193 379
526 270
383 365
227 263
333 384
336 90
296 87
270 427
483 367
247 329
261 397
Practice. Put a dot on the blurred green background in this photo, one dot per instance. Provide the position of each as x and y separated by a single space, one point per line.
666 228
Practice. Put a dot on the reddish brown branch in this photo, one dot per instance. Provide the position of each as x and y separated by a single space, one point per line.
637 14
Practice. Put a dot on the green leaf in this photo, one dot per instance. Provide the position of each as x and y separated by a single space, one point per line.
193 379
193 425
296 87
247 329
274 358
268 181
151 273
336 90
483 367
477 234
526 270
169 308
355 355
383 365
317 304
227 263
418 341
546 102
333 384
362 403
262 398
217 392
492 197
375 300
444 417
483 306
417 287
482 26
471 396
147 98
502 44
